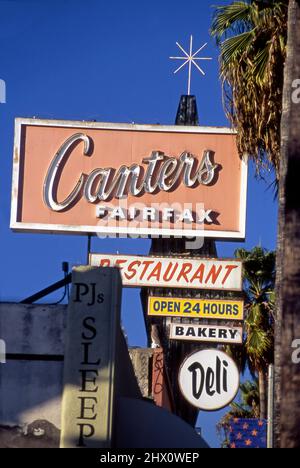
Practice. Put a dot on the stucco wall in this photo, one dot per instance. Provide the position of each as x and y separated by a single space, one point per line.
31 380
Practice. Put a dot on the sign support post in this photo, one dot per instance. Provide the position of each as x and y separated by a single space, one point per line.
187 114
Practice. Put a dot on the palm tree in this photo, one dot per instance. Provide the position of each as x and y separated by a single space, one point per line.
252 38
259 283
288 262
257 352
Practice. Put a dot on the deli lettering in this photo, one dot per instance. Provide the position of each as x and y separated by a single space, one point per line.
211 380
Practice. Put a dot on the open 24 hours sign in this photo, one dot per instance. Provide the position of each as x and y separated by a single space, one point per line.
196 308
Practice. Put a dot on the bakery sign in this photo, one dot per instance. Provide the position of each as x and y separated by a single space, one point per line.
132 180
206 333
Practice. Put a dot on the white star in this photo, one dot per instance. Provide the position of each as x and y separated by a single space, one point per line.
190 59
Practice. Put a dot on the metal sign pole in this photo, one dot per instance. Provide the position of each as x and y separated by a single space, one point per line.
187 115
89 246
271 408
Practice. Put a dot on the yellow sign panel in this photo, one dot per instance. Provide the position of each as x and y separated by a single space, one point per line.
195 308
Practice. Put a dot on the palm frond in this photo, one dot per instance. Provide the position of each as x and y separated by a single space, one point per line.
231 19
252 37
233 48
260 64
258 344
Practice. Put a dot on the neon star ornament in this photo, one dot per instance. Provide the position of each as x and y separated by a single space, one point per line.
189 59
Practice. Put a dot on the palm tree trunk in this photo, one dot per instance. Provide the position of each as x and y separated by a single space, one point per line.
288 262
262 377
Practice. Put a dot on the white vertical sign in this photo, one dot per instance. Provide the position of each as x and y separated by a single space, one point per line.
89 372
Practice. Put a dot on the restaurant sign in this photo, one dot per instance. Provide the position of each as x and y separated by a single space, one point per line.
132 180
174 272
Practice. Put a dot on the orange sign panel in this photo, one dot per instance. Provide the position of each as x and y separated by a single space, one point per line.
85 177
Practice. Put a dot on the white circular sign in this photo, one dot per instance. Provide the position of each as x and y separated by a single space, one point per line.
209 380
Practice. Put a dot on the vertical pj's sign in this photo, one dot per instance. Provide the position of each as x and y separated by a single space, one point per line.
89 369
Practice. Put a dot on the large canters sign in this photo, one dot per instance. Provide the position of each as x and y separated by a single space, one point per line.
195 308
198 273
113 179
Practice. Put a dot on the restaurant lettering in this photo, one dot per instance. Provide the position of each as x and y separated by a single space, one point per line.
174 272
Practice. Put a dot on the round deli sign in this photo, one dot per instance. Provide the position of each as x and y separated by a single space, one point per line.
209 380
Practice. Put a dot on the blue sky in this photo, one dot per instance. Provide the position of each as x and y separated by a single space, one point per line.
108 61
